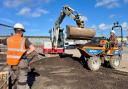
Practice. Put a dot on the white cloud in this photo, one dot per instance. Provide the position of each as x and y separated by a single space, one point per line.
126 1
112 16
13 3
107 3
46 1
104 29
84 18
17 3
26 11
125 25
104 26
38 12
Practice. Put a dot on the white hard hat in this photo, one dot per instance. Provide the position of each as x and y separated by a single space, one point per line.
112 31
19 25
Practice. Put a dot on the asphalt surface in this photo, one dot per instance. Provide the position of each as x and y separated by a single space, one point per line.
68 73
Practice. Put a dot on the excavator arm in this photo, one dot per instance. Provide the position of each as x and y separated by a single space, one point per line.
66 11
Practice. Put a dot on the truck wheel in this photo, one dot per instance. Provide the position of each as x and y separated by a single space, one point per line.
106 61
94 63
82 60
115 62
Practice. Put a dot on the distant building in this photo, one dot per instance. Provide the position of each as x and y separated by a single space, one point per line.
39 40
36 40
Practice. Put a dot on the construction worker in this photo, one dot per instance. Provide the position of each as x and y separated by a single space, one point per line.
113 39
17 49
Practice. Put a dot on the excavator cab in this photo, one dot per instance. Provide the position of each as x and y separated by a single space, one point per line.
61 39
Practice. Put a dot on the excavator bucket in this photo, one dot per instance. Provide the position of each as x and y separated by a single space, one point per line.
80 33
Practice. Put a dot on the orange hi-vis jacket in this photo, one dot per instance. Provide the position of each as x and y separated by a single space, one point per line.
15 49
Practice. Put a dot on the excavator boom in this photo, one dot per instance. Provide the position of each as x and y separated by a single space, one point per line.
57 37
68 11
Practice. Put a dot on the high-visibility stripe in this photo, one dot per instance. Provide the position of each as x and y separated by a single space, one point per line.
16 49
10 56
21 49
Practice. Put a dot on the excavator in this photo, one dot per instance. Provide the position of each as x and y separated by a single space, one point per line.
57 34
92 53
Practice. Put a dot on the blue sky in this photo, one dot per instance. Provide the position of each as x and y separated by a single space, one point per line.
39 16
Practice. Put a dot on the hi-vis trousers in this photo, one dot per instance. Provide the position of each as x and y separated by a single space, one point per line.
19 75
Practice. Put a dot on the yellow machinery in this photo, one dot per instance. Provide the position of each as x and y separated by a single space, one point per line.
99 51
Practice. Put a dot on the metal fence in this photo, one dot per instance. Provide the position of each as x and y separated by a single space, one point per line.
5 31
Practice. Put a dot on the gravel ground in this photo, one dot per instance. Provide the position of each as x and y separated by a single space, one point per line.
68 73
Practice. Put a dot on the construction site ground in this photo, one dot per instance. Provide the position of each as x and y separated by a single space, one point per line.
53 72
68 73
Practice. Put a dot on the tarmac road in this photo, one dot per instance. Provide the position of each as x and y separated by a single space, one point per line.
68 73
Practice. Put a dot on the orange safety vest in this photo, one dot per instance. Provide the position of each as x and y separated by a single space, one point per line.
15 49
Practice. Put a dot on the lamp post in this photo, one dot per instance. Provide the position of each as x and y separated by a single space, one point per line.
116 25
